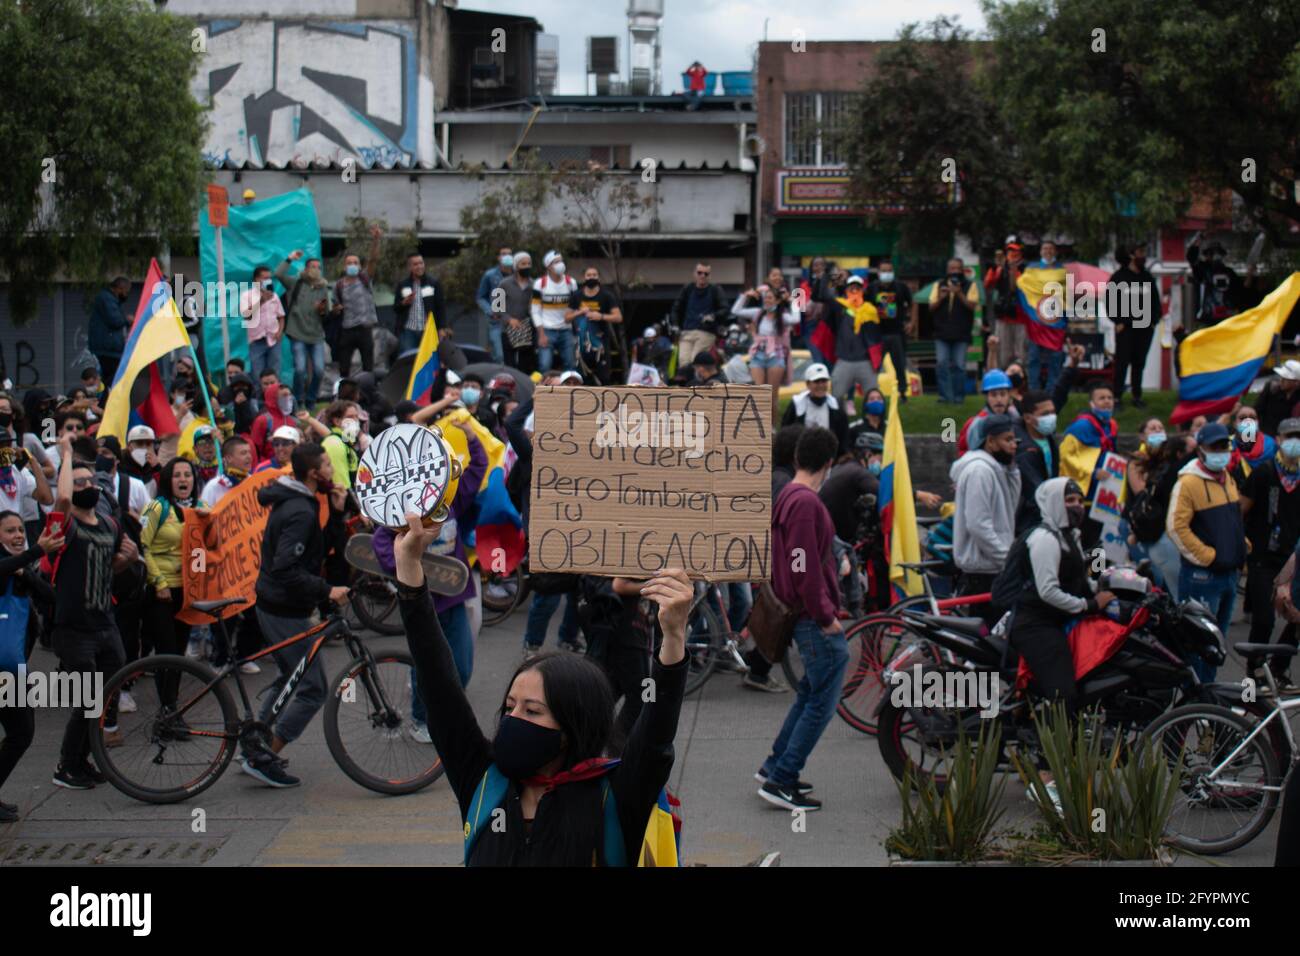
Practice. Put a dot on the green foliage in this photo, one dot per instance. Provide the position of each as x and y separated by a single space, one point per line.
1115 801
955 821
393 249
102 88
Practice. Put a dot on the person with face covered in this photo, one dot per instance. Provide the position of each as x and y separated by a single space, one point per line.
987 496
203 456
953 301
238 403
344 422
1206 524
1056 592
1037 455
141 458
1084 446
548 767
1250 446
850 329
307 305
818 408
1270 502
278 410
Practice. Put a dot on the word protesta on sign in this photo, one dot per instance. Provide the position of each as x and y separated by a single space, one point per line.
630 480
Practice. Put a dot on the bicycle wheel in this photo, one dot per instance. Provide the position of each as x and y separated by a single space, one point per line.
873 642
502 593
181 737
368 726
374 598
922 737
1215 816
706 644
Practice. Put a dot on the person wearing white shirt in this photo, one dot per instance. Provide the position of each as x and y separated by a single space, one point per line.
237 456
551 294
772 318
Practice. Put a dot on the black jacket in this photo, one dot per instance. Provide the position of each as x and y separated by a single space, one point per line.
289 583
520 480
435 302
717 307
568 827
1033 472
953 317
1274 406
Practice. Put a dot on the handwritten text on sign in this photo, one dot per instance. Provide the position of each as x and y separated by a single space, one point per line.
630 480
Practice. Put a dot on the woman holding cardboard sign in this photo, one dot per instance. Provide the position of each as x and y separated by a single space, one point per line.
543 792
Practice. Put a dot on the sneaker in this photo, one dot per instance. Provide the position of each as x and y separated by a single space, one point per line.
249 667
802 786
112 738
75 779
786 797
126 703
497 591
1052 795
772 684
530 651
575 646
93 772
194 649
8 812
270 772
420 734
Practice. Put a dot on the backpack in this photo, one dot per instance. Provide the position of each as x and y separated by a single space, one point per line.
1145 517
1017 575
661 845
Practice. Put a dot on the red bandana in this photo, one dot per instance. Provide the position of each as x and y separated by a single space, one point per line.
582 770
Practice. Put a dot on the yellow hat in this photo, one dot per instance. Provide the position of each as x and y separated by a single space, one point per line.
249 194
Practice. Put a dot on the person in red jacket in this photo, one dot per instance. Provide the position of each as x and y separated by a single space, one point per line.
805 576
277 411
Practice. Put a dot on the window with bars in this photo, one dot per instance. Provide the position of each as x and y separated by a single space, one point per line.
813 122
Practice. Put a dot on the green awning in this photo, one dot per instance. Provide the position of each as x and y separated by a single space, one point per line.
832 236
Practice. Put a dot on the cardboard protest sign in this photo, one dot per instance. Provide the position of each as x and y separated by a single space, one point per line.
1106 507
630 480
221 549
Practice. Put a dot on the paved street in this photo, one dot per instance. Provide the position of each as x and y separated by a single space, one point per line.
725 730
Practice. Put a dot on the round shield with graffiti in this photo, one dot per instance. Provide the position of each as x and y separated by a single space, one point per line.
407 468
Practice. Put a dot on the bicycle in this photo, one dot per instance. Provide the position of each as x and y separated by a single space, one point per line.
186 727
710 642
374 597
1235 762
514 587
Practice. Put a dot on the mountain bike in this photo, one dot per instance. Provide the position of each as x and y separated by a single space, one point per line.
186 729
710 642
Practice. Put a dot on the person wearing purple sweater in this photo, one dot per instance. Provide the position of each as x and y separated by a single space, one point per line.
453 615
805 577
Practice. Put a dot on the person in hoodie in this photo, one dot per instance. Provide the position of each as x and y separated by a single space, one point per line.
1037 456
1056 591
240 406
289 588
996 386
278 406
818 408
987 496
855 327
1206 524
450 541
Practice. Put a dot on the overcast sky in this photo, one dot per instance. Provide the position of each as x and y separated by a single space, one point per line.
719 33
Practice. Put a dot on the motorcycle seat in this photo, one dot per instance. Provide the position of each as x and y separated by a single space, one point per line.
1264 650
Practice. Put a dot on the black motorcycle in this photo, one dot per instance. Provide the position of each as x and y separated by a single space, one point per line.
1149 674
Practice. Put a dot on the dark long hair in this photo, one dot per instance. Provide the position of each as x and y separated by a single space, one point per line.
167 492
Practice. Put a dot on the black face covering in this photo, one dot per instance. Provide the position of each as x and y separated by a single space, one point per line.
592 288
817 399
524 271
1017 380
1004 457
6 419
105 462
522 748
85 498
1075 513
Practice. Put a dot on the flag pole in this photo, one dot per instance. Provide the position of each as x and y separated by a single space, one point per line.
207 401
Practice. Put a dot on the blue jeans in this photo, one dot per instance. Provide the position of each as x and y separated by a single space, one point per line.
306 385
1217 590
540 613
455 627
1166 562
262 356
739 601
825 657
561 341
494 340
409 341
950 369
1040 358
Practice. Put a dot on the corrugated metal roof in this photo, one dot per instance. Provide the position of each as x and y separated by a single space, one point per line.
331 164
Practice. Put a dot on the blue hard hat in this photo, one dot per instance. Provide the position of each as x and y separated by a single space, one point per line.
994 378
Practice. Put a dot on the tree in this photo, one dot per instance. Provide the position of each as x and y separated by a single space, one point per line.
1125 112
103 137
922 124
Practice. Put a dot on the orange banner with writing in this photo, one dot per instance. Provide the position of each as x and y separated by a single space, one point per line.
222 548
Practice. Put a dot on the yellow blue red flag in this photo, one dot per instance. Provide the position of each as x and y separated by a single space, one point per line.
420 387
895 500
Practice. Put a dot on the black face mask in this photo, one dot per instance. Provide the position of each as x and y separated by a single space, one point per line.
522 748
6 419
1004 457
592 288
817 399
105 463
1075 513
85 498
524 271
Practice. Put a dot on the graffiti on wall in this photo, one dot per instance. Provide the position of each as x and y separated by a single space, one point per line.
294 93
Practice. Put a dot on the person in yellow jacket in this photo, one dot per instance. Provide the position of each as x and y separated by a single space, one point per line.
1205 523
163 521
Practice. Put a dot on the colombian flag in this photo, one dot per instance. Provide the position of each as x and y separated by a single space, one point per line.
1217 364
157 331
824 335
499 530
895 500
425 369
1044 314
1082 445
